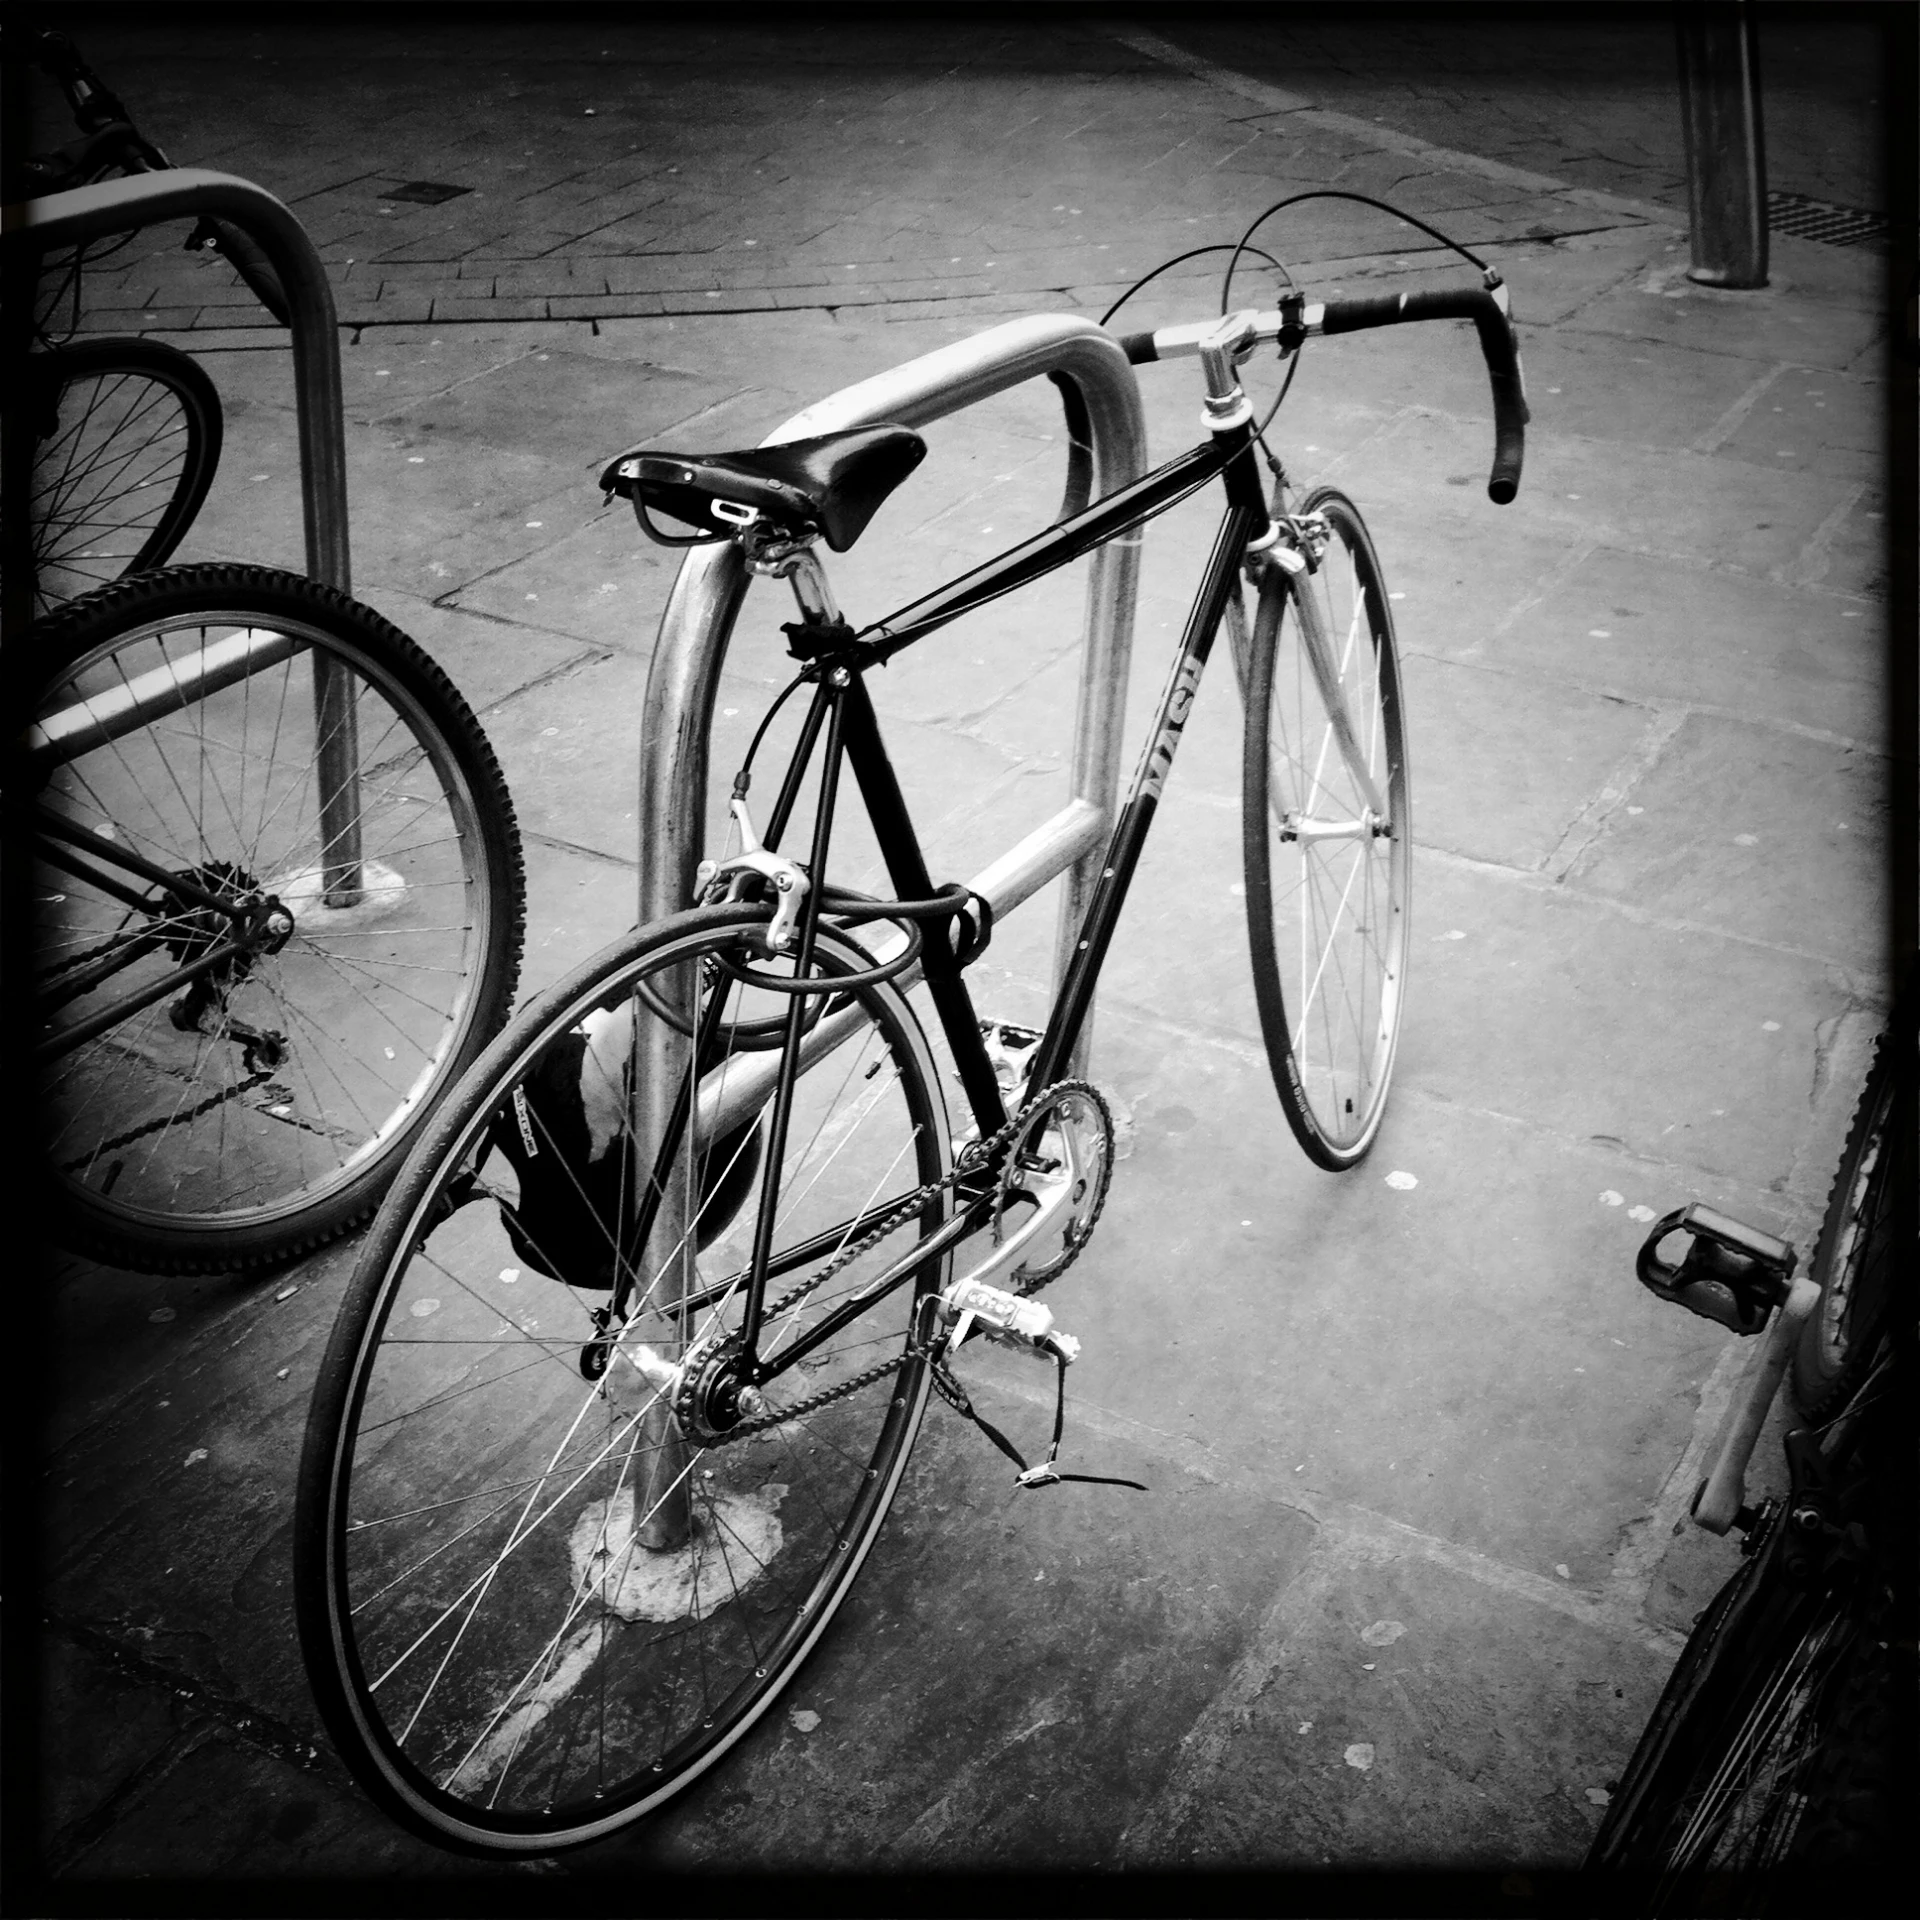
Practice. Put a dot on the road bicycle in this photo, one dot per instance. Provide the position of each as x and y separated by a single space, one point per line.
125 433
274 909
637 1347
1777 1770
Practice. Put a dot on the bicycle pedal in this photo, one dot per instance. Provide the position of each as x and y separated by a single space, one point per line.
1009 1318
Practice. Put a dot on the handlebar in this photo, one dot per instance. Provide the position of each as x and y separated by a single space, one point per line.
1295 319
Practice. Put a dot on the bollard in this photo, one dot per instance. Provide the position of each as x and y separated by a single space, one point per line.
1726 153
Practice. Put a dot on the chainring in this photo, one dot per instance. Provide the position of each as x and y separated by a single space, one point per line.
1066 1134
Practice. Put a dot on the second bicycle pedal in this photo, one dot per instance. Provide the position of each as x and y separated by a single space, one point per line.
1009 1318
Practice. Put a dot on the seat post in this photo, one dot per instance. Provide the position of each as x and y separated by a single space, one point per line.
798 563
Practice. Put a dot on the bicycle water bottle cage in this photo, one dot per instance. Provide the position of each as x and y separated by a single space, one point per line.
1731 1272
831 485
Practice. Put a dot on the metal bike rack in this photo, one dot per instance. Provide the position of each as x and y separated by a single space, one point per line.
186 193
678 713
706 598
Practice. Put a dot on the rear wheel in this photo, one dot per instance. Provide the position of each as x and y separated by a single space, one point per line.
1327 834
126 439
548 1569
276 910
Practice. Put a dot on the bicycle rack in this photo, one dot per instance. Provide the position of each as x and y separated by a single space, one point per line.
678 712
707 593
186 193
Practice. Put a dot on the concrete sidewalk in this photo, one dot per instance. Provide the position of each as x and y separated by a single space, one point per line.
1415 1561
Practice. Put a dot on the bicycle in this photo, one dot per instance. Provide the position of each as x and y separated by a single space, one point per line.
1778 1763
637 1348
275 909
125 433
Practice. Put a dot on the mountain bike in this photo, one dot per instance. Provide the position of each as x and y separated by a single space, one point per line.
630 1369
275 909
125 433
1777 1770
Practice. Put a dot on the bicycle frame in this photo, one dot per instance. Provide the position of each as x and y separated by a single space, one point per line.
843 713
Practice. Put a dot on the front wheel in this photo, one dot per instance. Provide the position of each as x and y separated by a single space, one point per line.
276 910
556 1549
1327 833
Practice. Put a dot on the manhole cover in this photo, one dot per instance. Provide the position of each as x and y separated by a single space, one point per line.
1811 219
428 193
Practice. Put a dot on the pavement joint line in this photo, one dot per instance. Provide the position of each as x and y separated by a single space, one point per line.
1803 1203
1599 690
1537 881
1816 556
1356 1532
1801 1206
1547 584
1369 133
1586 827
228 1712
67 1848
1730 422
596 854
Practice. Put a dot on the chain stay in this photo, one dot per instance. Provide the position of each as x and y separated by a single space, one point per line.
975 1155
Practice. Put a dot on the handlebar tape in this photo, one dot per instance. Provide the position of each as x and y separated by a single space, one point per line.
1510 412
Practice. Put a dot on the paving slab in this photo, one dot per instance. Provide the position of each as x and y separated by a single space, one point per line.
1653 629
1392 1710
1773 799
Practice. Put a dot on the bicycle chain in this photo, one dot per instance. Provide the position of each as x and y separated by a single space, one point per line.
969 1158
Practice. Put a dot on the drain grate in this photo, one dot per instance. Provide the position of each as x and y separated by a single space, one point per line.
427 193
1810 219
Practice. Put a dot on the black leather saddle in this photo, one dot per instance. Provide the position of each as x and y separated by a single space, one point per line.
831 485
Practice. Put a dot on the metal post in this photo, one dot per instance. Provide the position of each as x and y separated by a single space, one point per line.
1726 153
678 714
707 594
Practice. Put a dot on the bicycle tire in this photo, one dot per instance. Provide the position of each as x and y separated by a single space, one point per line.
1854 1254
127 439
535 1677
1759 1775
259 1110
1327 917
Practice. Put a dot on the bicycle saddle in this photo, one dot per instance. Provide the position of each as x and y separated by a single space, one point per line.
831 485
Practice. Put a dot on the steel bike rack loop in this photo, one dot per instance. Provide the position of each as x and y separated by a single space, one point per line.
678 713
185 193
706 598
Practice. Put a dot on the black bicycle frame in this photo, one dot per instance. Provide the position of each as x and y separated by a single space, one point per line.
838 663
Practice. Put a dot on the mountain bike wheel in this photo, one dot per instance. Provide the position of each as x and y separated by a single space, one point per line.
541 1583
1853 1258
127 437
243 1025
1328 855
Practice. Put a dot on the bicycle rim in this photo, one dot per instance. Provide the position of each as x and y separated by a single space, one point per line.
1328 864
254 1107
128 453
536 1603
